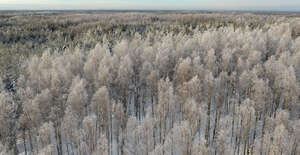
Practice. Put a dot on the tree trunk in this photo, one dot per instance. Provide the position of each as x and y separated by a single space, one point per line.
244 148
143 102
160 128
136 104
13 144
58 140
67 145
294 152
207 133
124 123
72 148
217 119
277 103
123 140
154 126
24 141
263 133
111 130
232 123
254 134
30 141
108 137
239 137
199 128
153 135
118 145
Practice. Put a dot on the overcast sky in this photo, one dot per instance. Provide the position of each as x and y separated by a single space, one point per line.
277 5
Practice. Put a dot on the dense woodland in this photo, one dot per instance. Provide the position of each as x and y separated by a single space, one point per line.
150 84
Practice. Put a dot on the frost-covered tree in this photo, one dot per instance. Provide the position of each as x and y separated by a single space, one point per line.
246 116
92 64
90 132
183 71
211 60
70 129
45 134
102 146
8 135
78 97
101 106
192 113
146 132
208 86
183 137
166 101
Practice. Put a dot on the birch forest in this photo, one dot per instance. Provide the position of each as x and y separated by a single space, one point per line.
144 83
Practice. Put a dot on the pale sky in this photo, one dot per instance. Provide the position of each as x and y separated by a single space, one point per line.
277 5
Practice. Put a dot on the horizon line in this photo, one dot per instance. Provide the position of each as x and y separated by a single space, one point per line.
154 9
